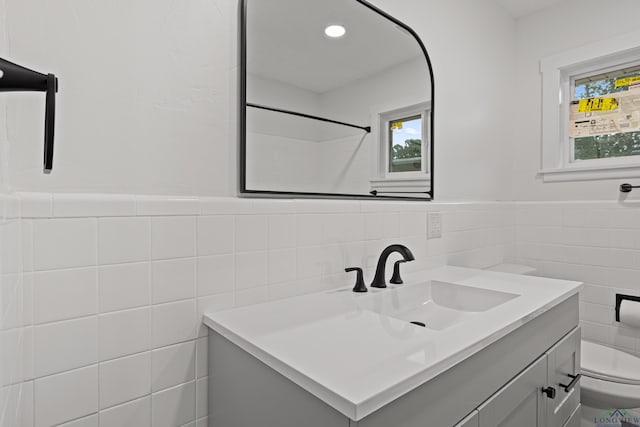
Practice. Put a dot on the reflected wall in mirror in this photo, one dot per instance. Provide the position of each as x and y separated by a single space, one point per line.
336 101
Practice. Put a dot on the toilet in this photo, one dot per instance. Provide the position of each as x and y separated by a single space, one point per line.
610 381
610 377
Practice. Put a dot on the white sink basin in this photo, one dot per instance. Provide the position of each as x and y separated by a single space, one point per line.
437 305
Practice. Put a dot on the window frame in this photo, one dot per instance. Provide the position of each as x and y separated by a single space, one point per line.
558 75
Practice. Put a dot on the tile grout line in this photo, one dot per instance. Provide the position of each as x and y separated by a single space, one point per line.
150 315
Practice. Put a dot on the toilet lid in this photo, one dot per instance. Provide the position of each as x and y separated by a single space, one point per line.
606 363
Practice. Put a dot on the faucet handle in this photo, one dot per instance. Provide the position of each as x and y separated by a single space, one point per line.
359 286
396 279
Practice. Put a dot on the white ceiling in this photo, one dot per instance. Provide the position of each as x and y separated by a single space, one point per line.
520 8
285 42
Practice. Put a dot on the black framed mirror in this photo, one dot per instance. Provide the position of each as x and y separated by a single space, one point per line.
336 101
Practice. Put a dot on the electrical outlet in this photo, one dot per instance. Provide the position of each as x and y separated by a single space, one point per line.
434 226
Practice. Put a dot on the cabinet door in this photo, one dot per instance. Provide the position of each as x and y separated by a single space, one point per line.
574 420
520 403
563 365
470 421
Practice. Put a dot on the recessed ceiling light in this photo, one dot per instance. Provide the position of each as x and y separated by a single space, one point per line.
335 31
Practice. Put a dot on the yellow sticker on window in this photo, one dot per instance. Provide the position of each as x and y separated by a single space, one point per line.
597 104
626 81
396 125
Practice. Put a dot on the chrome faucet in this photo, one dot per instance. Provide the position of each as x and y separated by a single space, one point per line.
378 280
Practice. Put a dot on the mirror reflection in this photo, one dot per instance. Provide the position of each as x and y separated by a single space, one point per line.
338 101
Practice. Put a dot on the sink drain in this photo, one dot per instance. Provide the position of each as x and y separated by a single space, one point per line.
419 324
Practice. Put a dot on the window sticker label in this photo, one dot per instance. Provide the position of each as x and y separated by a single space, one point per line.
626 81
605 115
396 125
597 104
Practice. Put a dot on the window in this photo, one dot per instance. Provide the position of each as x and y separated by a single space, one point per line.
403 147
604 119
405 144
595 134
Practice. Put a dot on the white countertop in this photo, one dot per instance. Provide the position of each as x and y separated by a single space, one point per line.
356 360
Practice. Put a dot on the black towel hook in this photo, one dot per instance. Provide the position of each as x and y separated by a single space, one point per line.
626 188
16 78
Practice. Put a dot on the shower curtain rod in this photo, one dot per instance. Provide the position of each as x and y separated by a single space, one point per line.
308 116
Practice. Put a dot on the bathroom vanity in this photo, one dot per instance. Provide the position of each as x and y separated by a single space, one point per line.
497 350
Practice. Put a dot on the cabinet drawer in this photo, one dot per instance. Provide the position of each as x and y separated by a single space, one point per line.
563 365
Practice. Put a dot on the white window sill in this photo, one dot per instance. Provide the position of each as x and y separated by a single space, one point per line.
590 173
401 184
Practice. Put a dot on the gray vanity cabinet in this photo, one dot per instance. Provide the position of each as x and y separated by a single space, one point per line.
575 419
520 403
470 421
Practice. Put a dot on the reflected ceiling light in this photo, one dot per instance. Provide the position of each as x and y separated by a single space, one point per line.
335 31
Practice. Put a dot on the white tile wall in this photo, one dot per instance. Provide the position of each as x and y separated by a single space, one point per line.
16 337
124 332
123 286
112 296
64 294
135 413
173 237
64 243
123 240
173 365
215 274
65 345
215 235
124 379
67 396
173 280
90 421
175 406
594 242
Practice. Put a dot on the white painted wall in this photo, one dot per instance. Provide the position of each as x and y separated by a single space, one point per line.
569 24
4 145
272 93
472 46
144 101
147 97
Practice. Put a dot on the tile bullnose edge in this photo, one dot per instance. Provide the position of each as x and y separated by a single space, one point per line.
35 205
10 207
149 205
226 206
77 205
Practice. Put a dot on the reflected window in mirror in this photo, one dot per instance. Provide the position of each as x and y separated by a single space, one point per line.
405 145
403 150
